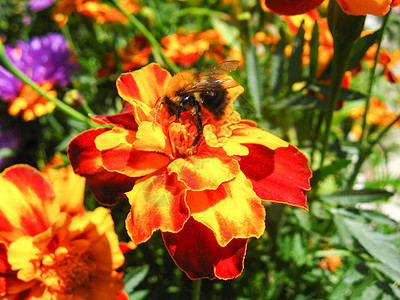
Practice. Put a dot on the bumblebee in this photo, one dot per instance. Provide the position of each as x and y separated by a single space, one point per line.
189 91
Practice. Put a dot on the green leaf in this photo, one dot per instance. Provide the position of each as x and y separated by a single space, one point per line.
277 67
374 243
331 252
361 47
304 218
360 287
254 79
387 271
343 232
345 284
378 217
301 102
134 277
295 59
298 251
351 198
345 94
314 45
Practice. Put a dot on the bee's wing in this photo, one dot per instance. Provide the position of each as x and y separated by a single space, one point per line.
207 83
220 69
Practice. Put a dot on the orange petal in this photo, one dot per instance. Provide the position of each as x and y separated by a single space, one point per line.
204 173
197 253
284 177
107 187
157 203
30 207
232 211
68 187
143 88
291 7
363 7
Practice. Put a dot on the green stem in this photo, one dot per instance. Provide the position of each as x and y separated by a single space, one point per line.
340 59
159 56
366 152
7 64
371 82
196 292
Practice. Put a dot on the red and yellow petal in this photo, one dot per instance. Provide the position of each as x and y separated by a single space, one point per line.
125 119
28 207
291 7
363 7
196 252
142 89
281 175
204 173
247 134
157 203
232 211
108 187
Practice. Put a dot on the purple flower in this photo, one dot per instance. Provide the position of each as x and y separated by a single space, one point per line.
38 5
43 59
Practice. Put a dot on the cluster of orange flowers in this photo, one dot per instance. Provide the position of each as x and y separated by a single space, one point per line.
186 48
97 10
377 115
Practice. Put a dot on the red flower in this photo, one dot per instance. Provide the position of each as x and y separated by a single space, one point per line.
206 201
351 7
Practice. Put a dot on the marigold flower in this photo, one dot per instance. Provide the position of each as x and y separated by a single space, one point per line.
186 49
135 55
351 7
47 61
50 249
378 114
97 10
330 263
207 201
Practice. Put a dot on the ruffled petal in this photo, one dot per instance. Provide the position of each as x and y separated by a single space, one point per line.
28 207
281 175
197 253
124 119
204 173
247 134
363 7
143 88
150 137
108 187
157 202
68 187
232 211
291 7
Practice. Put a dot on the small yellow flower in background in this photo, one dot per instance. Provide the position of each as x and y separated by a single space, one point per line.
50 248
30 105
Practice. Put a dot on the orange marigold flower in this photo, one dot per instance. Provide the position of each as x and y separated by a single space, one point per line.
50 248
97 10
207 201
186 49
330 263
378 113
135 55
30 105
351 7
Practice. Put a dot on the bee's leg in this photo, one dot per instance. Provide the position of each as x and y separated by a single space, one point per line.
178 113
199 125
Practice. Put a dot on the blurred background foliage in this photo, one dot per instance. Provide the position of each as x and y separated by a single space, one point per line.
348 245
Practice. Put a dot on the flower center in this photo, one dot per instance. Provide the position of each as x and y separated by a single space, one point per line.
68 273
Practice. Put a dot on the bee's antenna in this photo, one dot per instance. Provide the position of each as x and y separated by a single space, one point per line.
158 108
